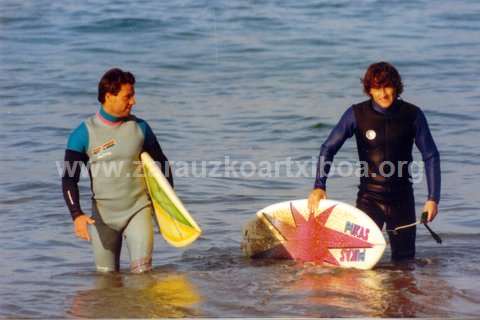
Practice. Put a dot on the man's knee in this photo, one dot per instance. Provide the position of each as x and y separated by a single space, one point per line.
141 265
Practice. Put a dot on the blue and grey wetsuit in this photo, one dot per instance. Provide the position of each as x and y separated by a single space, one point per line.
111 148
386 136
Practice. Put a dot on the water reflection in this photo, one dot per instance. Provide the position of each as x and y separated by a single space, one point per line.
389 291
331 292
149 295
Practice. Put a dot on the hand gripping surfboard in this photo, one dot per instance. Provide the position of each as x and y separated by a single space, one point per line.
175 223
337 234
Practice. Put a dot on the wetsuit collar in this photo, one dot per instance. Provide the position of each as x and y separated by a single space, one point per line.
388 110
108 118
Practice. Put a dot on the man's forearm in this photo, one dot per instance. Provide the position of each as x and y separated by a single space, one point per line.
323 168
433 174
71 176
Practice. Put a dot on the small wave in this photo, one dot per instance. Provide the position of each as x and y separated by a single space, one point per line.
321 126
450 116
455 16
21 200
120 25
30 186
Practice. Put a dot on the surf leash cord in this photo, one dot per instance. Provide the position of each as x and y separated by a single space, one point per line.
423 221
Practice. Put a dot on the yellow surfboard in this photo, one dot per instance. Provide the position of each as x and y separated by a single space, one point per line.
175 223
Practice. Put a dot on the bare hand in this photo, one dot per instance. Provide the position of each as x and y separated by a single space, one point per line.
431 207
314 198
81 226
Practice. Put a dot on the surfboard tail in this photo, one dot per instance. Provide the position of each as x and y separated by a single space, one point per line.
173 231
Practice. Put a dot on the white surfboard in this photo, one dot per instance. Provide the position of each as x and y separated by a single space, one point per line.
337 234
175 222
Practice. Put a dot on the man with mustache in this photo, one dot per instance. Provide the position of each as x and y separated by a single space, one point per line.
111 142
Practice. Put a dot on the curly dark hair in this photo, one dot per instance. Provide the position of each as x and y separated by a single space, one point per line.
112 81
380 75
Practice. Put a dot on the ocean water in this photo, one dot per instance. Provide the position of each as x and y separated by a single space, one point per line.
226 81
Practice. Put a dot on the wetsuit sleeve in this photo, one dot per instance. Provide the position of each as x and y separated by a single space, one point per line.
430 156
153 148
341 132
78 139
75 156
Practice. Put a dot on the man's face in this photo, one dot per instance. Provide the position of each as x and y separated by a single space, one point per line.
121 104
383 96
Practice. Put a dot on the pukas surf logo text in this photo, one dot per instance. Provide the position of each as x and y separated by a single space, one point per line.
357 230
353 255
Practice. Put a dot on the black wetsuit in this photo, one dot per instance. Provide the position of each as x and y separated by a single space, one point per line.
385 139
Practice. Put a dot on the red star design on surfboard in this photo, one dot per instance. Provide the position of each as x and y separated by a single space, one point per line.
310 239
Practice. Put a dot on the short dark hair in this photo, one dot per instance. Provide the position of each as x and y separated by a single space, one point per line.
382 74
112 81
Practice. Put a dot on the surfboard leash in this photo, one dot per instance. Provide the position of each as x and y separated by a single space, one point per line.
423 221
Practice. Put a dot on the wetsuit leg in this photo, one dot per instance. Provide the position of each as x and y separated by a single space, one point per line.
395 210
106 244
402 212
371 205
139 237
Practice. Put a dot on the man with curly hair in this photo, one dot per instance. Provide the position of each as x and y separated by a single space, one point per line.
385 128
